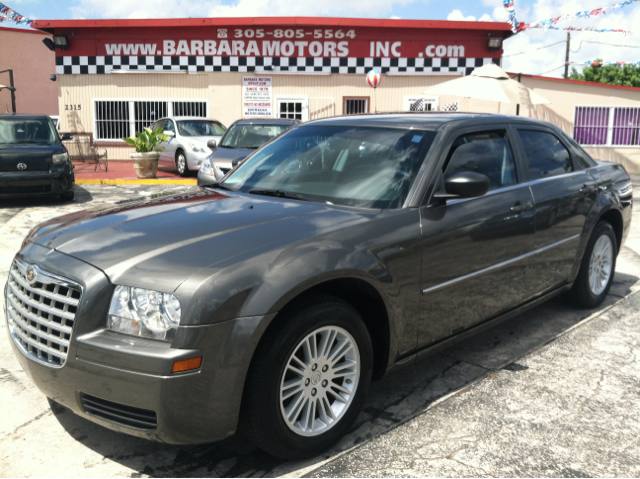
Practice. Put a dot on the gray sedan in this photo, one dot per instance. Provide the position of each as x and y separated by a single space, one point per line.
187 144
240 140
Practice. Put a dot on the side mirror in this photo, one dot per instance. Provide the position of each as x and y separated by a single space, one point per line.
466 184
212 144
169 133
66 137
237 161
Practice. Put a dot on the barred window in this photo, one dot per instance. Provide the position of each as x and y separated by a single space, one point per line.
607 126
117 119
355 106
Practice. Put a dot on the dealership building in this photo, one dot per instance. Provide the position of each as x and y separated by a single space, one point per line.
116 76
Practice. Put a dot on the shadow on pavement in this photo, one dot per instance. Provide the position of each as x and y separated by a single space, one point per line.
394 400
81 196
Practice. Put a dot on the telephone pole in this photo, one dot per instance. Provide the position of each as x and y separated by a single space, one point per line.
566 57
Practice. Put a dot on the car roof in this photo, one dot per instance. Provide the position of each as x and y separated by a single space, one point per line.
266 121
187 118
26 117
420 120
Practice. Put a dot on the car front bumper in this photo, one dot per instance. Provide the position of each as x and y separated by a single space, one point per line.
16 184
131 378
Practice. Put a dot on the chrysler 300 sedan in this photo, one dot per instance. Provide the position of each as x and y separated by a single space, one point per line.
340 250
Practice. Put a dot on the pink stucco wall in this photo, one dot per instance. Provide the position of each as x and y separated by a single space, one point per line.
32 63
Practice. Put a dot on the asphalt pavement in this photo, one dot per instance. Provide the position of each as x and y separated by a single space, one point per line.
552 392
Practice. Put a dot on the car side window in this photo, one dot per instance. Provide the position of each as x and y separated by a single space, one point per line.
545 155
487 152
169 126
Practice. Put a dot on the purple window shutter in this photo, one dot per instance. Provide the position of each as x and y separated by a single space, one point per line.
590 125
626 126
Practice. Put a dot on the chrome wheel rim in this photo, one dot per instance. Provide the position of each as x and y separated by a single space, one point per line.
600 265
182 163
319 381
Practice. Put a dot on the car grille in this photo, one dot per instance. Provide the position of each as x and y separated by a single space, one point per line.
41 312
31 166
119 413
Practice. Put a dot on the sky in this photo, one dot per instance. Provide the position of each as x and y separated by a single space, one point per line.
525 52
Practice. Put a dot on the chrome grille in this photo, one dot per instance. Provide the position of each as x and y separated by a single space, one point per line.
41 312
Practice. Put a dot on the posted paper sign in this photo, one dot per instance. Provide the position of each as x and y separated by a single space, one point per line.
256 97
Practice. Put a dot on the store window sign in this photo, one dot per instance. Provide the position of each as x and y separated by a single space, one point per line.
256 96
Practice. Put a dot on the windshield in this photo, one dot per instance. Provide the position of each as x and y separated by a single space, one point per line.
342 165
19 130
251 136
200 128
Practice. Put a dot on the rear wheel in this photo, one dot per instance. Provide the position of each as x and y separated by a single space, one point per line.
597 268
308 379
181 163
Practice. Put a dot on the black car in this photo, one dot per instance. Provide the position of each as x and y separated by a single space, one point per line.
33 160
341 250
241 139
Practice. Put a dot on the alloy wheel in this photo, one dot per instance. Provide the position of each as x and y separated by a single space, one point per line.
182 163
600 265
320 381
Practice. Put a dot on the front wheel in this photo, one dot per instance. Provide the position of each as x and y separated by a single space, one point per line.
308 379
181 164
597 268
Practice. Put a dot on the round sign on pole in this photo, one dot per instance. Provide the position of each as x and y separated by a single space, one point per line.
374 78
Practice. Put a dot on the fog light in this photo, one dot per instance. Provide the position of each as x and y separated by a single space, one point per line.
187 364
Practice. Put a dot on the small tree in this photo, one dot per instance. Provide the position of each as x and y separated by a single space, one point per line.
625 75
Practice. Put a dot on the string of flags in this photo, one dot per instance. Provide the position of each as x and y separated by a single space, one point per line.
600 64
550 24
7 14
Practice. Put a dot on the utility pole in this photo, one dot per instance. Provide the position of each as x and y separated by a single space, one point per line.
12 89
566 57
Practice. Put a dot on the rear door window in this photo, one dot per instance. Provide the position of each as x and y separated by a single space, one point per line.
545 155
486 152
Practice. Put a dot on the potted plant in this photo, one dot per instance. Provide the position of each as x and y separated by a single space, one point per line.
145 158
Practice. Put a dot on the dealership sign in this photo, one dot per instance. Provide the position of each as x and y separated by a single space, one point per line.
256 97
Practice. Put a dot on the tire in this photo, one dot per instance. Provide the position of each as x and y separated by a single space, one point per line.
593 283
67 196
181 164
310 429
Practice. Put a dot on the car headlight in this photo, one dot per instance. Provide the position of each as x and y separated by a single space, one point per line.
144 313
197 148
206 167
61 157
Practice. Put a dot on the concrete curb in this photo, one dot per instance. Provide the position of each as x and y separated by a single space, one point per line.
134 181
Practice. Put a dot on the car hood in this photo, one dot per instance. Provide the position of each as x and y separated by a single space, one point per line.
230 154
29 152
157 244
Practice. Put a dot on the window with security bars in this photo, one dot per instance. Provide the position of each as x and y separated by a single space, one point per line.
117 119
291 110
356 106
112 120
607 126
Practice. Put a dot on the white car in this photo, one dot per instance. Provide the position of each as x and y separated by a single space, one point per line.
187 147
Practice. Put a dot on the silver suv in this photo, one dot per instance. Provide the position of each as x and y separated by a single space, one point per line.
187 144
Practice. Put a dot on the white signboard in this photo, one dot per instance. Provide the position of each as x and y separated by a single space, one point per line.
256 97
421 103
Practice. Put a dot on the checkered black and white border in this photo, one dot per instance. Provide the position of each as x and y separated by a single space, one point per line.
106 64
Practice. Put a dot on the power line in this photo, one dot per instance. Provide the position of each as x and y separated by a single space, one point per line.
549 71
533 50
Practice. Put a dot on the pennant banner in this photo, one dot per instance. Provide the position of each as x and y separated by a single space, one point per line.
551 23
7 14
600 64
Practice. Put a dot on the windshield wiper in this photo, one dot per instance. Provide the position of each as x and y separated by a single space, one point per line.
221 187
278 194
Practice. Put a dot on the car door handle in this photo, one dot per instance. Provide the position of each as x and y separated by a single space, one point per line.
520 207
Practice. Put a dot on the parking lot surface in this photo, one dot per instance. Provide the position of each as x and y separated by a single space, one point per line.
552 392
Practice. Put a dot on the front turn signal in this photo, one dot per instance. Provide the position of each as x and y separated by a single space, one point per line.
187 364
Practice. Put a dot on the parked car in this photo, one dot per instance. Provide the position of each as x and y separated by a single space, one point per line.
341 250
33 160
241 139
187 144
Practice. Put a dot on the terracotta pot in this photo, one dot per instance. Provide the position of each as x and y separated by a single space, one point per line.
145 164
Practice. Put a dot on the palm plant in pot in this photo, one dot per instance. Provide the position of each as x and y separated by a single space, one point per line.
145 158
